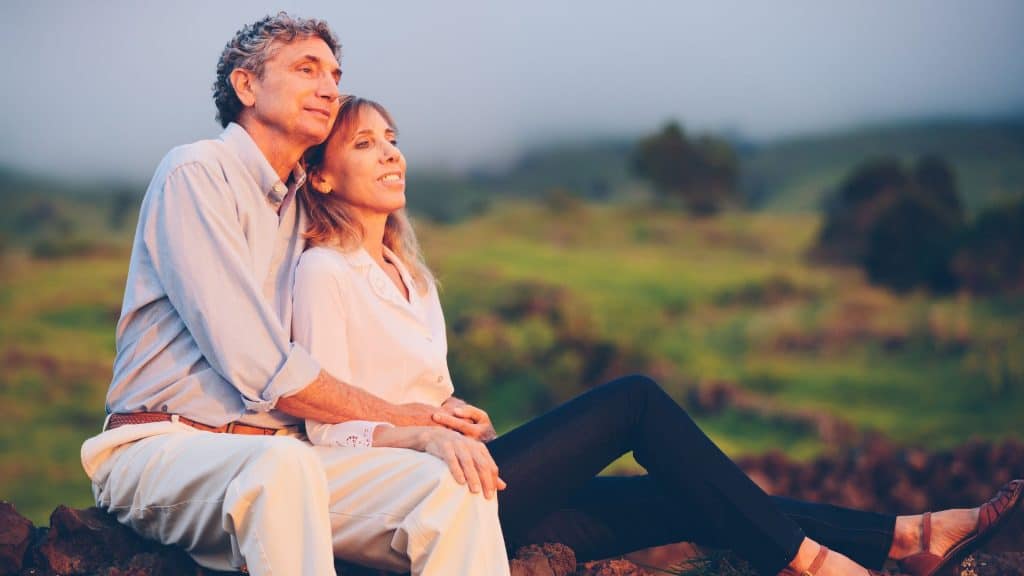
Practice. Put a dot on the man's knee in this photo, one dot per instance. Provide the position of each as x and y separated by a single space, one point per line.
285 464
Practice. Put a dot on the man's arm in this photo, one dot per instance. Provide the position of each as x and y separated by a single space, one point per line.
327 399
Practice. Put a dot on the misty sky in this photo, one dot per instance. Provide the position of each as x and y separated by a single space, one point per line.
105 88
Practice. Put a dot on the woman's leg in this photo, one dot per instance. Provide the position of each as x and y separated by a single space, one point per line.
701 495
610 516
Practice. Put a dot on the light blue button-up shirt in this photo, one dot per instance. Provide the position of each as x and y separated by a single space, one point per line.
206 320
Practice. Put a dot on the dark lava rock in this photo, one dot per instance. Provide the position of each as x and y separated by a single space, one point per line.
15 535
543 560
620 567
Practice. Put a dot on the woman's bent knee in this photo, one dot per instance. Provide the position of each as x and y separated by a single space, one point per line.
637 385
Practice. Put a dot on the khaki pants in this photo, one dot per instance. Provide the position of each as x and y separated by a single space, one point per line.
280 505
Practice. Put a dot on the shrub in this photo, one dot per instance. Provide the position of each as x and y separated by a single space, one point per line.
533 348
901 227
991 256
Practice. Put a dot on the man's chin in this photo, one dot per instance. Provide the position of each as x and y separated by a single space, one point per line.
314 132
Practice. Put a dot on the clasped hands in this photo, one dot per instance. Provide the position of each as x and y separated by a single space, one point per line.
460 443
465 418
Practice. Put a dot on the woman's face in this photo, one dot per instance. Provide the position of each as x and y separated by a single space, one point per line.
363 166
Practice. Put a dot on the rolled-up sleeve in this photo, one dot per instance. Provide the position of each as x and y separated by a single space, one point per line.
194 233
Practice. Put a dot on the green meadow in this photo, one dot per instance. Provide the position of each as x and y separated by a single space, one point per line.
692 302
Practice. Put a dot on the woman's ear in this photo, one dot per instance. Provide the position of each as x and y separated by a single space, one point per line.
320 184
242 81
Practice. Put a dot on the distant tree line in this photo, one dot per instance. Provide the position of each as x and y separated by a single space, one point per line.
699 173
907 228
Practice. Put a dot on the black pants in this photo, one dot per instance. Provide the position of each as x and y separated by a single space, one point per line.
693 492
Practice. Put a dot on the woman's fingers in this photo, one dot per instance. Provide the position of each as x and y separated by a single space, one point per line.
488 470
469 467
454 464
469 460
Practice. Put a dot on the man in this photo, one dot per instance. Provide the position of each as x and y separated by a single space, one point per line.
201 447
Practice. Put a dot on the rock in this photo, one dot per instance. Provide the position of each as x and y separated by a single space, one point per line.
543 560
1005 564
15 535
620 567
156 564
93 542
84 541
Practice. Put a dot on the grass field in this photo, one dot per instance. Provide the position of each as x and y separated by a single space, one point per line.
730 299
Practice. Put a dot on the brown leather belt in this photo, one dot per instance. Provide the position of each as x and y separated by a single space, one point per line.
116 420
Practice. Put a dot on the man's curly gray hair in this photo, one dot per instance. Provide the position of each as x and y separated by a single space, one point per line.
253 45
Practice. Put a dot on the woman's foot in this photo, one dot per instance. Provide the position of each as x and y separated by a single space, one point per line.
816 560
943 539
948 528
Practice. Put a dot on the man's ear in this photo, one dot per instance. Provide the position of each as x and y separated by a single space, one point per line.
242 81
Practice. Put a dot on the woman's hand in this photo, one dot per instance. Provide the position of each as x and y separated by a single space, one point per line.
465 419
469 460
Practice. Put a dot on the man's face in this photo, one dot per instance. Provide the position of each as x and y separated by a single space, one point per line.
297 95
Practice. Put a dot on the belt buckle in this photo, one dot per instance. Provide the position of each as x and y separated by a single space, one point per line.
230 428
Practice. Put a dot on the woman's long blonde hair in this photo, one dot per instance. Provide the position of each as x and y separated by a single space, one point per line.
331 223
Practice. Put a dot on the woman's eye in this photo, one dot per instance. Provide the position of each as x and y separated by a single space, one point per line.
394 142
363 144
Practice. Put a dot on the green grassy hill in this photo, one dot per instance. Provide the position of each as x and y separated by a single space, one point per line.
692 302
794 175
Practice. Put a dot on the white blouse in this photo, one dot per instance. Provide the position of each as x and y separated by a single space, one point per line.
353 319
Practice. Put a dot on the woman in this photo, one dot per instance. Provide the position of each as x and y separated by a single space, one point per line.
367 307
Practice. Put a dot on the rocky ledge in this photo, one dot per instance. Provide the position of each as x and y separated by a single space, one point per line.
91 542
875 476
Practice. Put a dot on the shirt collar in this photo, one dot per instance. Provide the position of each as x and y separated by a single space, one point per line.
239 141
358 258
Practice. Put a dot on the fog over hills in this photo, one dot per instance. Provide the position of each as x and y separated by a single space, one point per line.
103 90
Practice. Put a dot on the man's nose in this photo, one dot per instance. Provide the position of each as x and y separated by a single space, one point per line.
328 87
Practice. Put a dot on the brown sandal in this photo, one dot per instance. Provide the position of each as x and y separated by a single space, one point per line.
991 515
819 561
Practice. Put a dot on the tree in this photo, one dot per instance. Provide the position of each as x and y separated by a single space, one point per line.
936 180
852 211
912 245
701 173
901 227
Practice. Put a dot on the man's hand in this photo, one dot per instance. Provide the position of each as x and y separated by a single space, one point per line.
468 459
466 419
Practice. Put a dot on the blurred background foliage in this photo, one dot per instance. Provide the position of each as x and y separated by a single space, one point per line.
794 294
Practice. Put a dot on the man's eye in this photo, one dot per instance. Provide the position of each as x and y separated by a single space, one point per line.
394 142
306 69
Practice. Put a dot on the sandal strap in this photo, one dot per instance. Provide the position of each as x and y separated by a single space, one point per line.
818 562
926 531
